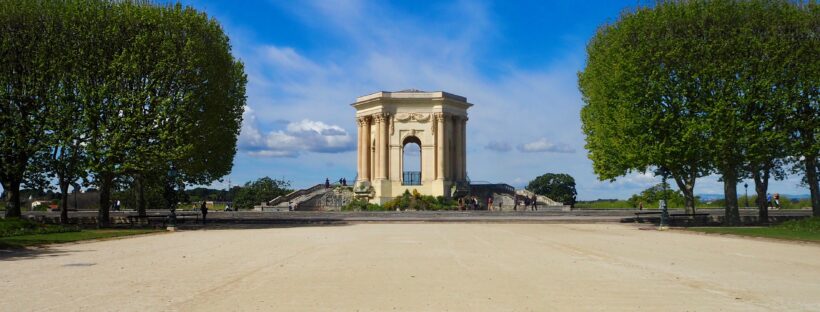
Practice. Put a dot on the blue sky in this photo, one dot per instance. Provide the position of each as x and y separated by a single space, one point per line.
517 61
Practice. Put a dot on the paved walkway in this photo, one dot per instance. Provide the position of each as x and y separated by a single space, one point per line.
417 267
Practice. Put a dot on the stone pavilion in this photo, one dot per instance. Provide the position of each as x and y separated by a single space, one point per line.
389 121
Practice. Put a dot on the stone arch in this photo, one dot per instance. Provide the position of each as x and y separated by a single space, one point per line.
410 177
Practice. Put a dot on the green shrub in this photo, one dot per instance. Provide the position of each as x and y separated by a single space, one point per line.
15 227
416 201
361 205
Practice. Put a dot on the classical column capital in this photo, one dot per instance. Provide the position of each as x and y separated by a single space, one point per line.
440 115
363 120
380 117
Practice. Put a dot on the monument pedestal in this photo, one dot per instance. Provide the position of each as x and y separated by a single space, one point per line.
383 190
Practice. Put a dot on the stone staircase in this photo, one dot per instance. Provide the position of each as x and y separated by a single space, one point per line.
542 200
315 198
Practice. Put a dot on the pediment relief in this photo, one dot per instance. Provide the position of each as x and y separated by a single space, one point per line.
419 117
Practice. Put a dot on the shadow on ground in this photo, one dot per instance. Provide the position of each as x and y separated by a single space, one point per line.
26 253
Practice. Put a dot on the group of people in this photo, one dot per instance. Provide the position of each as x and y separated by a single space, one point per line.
774 201
342 182
526 202
468 203
471 203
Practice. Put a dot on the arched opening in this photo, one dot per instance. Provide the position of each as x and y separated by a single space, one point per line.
411 161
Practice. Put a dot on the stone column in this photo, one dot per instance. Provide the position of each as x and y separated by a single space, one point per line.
365 149
457 148
359 146
463 154
440 146
378 150
384 152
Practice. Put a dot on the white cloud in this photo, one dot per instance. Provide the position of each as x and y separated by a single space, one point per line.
498 146
542 145
297 137
286 59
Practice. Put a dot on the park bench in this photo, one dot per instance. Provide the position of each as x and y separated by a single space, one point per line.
642 213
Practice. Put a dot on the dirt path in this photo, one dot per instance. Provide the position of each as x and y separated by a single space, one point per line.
379 267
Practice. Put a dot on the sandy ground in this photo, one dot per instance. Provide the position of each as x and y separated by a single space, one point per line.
417 267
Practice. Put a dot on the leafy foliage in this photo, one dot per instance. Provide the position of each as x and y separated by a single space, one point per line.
417 201
16 227
362 205
557 186
113 89
650 197
261 190
687 88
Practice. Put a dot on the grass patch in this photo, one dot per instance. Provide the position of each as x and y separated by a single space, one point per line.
804 230
66 237
16 227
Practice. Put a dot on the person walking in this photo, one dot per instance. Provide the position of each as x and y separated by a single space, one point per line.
769 200
776 203
204 209
515 202
327 183
490 203
534 203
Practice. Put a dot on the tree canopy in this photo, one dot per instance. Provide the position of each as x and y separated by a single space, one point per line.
690 88
261 190
110 89
557 186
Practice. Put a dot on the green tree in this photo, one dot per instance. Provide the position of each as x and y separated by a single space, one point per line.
115 89
29 50
641 113
67 128
801 80
557 186
651 196
163 91
261 190
688 87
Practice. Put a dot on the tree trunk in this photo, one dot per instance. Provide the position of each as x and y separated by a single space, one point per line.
63 202
687 187
103 217
814 188
140 186
732 216
13 200
761 188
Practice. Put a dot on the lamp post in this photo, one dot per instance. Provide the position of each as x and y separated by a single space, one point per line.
171 197
746 187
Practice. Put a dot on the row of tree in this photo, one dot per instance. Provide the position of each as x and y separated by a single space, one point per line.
108 92
692 88
240 196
